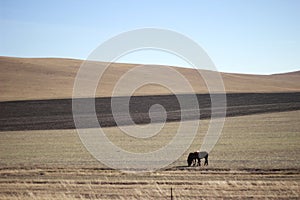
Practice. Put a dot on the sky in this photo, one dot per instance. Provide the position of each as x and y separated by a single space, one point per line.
241 36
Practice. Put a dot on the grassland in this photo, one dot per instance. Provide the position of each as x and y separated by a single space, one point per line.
42 157
256 157
53 78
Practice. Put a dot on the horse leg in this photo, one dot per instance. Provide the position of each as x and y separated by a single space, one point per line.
199 161
194 162
206 160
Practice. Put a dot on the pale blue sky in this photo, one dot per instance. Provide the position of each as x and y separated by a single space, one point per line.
245 36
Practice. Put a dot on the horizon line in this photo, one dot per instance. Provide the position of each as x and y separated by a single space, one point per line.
131 63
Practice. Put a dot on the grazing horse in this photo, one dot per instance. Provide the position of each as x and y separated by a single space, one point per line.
197 156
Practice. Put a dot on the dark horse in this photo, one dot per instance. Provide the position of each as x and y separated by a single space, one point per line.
197 156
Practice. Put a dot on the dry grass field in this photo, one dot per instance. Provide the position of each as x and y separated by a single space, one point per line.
53 78
256 157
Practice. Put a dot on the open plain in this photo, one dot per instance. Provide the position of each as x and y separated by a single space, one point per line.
42 157
257 157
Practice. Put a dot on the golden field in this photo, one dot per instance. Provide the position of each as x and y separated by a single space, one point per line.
257 157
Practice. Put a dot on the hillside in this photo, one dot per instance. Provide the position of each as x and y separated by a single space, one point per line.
53 78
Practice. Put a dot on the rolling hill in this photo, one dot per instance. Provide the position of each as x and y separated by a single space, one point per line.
53 78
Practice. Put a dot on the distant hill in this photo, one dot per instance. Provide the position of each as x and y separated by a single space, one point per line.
295 73
52 78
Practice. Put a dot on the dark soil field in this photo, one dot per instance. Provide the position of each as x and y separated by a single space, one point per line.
57 113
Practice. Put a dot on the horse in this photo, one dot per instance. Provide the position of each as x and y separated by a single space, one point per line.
195 158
